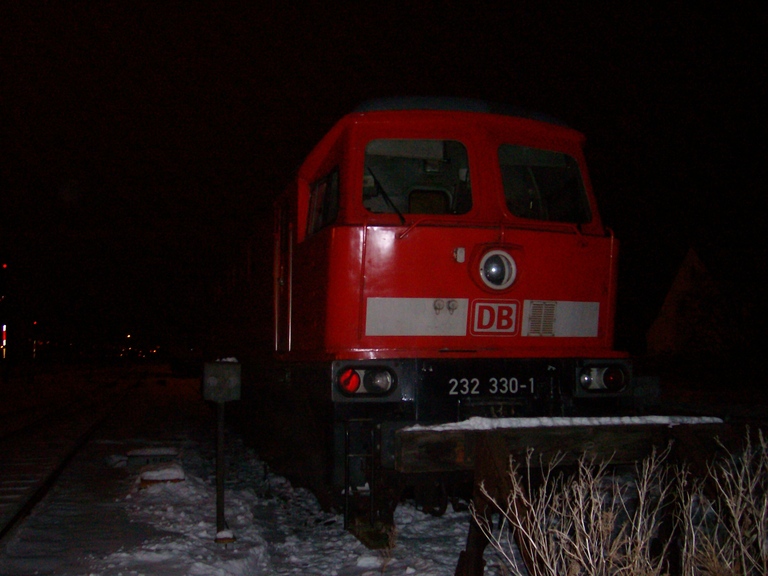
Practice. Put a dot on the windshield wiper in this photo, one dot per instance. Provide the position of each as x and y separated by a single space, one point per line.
384 194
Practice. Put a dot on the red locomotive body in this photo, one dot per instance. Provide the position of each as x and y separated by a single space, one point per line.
437 260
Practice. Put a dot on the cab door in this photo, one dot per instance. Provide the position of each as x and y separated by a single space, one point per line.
282 277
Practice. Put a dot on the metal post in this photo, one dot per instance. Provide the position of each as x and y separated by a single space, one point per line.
347 475
221 523
221 384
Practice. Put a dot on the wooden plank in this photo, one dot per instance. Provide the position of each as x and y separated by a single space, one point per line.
425 450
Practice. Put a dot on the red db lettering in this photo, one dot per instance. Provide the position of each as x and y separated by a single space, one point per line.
506 319
494 317
486 317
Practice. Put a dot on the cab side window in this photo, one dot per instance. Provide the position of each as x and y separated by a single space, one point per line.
323 202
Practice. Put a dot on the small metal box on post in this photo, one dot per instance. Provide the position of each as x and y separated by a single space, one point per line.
221 384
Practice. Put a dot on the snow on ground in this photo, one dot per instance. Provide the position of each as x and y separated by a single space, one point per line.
112 514
278 530
119 510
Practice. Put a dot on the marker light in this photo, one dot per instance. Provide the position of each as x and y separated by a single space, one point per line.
498 270
614 378
349 381
602 379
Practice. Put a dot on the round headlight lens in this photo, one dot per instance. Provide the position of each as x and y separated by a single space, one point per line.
498 270
494 270
378 381
586 379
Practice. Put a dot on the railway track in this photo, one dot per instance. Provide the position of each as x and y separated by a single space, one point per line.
37 441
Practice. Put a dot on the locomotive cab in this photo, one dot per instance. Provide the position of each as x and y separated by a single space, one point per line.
437 260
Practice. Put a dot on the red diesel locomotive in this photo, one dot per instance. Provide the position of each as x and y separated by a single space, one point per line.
437 260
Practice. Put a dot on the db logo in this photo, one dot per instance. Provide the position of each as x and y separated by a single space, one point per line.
494 316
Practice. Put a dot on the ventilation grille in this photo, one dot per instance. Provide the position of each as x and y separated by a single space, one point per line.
542 319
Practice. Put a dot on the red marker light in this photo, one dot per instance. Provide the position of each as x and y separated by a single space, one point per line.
613 378
349 381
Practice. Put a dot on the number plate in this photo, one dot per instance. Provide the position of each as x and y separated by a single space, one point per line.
449 385
501 386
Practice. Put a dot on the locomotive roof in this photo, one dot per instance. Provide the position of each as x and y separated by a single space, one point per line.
452 104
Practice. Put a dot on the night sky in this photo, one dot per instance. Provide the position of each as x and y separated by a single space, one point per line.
143 142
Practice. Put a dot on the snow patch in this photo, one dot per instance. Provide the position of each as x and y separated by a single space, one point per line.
166 472
367 561
155 451
479 423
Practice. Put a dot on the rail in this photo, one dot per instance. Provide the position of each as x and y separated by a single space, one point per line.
34 453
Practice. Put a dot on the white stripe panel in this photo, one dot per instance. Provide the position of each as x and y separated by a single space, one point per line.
416 317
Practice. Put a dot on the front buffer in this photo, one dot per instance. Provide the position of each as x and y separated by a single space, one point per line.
373 399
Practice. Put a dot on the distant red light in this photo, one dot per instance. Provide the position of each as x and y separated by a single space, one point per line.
349 381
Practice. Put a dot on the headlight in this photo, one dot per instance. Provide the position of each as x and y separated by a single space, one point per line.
378 381
498 269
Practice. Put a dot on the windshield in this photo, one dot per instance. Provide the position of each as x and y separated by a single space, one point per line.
543 185
416 177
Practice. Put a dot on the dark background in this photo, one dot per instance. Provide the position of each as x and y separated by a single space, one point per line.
143 142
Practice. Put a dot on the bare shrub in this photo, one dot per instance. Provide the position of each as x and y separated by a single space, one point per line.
724 528
593 522
588 522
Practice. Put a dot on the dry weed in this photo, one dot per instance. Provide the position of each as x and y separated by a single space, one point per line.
595 523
